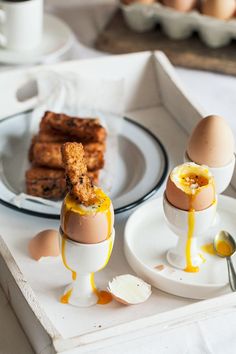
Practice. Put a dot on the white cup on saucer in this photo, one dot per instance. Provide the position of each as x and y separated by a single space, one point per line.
21 24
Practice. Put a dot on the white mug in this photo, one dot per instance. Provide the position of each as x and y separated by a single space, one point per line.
21 24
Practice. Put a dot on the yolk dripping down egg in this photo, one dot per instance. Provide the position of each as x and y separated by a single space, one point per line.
190 187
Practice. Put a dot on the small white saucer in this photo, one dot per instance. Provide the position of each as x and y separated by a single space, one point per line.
57 40
148 238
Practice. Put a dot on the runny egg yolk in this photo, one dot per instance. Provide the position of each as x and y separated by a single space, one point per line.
102 204
191 178
194 181
223 248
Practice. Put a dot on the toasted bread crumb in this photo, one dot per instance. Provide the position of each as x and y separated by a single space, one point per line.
77 180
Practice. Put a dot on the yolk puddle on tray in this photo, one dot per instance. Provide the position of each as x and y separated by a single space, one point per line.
65 298
104 297
208 248
223 248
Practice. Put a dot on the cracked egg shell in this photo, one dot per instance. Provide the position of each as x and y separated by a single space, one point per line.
44 244
87 225
190 186
181 5
129 290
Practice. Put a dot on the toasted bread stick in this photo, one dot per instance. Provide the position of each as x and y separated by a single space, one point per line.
49 155
56 137
83 128
50 183
46 183
75 166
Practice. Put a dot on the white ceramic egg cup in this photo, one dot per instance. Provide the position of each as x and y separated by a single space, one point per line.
222 175
177 221
84 260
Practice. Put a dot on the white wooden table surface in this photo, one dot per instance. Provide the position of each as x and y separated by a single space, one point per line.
216 93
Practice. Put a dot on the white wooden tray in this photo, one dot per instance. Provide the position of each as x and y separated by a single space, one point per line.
156 99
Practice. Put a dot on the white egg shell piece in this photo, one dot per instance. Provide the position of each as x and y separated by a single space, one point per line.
129 290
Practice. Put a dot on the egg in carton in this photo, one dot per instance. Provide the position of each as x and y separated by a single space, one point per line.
180 18
212 143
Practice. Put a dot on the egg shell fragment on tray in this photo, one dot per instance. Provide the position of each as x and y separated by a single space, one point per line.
129 290
44 244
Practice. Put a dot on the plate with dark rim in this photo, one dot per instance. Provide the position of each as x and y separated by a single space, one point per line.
140 167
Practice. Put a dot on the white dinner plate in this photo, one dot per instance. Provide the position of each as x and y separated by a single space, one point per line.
57 40
148 238
140 167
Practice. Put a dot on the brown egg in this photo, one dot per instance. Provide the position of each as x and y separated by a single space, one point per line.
181 5
211 142
190 187
44 244
222 9
87 225
129 2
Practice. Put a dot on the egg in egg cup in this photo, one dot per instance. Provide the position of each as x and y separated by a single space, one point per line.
212 143
189 206
86 231
83 260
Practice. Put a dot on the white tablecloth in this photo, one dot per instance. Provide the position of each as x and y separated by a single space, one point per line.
216 93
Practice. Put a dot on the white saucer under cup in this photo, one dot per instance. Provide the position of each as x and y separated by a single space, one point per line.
21 24
57 39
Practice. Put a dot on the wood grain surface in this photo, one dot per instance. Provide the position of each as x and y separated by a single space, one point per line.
117 38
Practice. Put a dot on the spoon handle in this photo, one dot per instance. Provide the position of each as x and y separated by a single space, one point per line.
232 274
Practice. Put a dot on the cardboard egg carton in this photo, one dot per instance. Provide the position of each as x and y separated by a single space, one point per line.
214 32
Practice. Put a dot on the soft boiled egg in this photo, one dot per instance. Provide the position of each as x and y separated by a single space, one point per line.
222 9
211 142
190 187
87 224
181 5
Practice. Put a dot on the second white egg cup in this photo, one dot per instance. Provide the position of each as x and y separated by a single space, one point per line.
83 260
178 222
222 175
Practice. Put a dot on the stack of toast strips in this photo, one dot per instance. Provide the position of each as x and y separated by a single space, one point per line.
46 177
